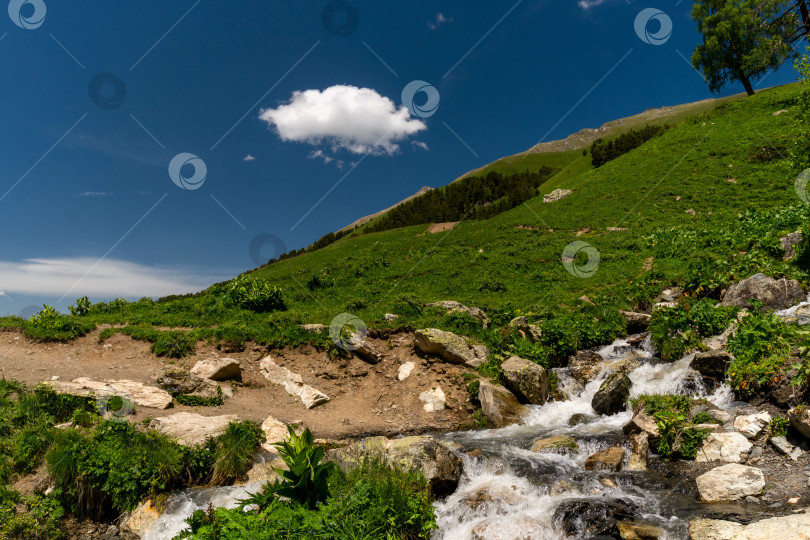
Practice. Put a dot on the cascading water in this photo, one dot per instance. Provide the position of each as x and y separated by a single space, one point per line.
509 492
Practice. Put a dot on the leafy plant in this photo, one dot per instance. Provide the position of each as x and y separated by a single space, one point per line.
306 480
199 401
761 346
254 294
174 344
779 426
81 308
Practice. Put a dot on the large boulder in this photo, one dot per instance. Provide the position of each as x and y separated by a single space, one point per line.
456 307
611 397
800 420
441 467
527 380
610 459
177 380
790 527
728 446
730 483
500 407
586 517
636 322
449 346
190 429
292 383
642 423
712 366
217 369
773 293
585 366
138 393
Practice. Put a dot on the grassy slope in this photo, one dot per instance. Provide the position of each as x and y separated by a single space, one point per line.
637 191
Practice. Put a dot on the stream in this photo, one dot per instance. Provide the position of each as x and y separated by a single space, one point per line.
509 492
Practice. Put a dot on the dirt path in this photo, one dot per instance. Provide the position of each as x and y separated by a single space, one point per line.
365 399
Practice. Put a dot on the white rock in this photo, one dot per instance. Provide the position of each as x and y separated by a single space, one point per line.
791 527
390 317
311 397
292 383
217 369
730 483
190 429
405 370
138 393
753 425
274 431
434 399
725 446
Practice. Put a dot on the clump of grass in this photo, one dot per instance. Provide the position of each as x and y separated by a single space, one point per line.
236 450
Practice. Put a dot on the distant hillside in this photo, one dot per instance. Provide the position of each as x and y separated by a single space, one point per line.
366 219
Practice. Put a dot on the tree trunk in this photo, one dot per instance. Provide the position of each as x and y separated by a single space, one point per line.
805 15
746 84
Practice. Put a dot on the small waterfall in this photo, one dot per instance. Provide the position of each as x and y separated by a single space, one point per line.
512 493
182 504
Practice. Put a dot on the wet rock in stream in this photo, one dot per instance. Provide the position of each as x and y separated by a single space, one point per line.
584 517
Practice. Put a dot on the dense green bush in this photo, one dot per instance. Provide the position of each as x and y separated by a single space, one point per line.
761 347
174 344
675 330
236 449
672 415
254 294
373 501
50 325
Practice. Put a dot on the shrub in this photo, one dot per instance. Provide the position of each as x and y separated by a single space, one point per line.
306 480
675 330
254 294
174 344
49 325
236 450
81 308
761 347
779 426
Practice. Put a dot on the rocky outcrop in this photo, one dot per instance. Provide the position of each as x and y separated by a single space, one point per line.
441 467
774 294
611 397
791 527
585 366
610 459
500 407
177 380
217 369
729 447
138 393
434 400
712 366
730 483
587 517
292 383
449 346
456 307
527 380
800 420
753 426
636 322
559 444
556 195
190 429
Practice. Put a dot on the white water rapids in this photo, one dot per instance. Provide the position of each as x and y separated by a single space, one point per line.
510 492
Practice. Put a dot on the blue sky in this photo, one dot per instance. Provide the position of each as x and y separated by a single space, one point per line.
297 125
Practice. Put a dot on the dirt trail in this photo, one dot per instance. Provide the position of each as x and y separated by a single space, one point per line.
365 399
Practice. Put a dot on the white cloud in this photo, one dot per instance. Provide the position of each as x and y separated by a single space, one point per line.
420 144
95 194
343 117
108 278
249 157
438 21
588 4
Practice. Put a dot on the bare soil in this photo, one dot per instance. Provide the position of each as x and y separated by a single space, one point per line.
365 399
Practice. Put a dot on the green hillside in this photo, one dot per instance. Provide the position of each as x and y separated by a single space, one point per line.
706 201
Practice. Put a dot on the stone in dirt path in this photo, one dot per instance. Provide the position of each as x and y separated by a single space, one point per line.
365 399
